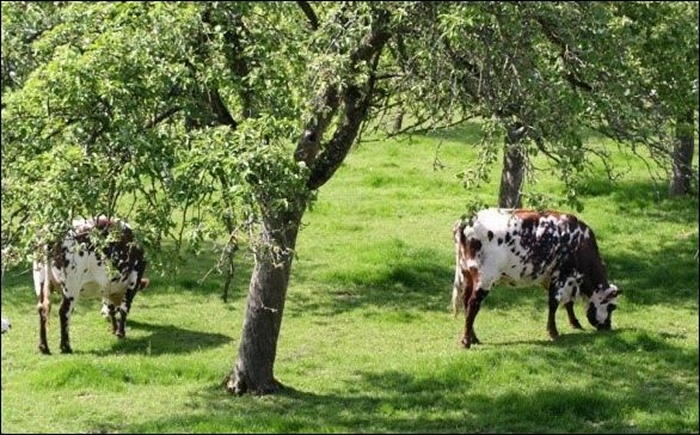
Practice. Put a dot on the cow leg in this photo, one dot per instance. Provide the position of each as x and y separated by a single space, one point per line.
121 323
44 309
64 313
553 305
131 289
573 321
469 336
472 310
42 288
111 313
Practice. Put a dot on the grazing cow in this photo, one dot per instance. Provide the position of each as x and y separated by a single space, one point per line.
524 247
113 268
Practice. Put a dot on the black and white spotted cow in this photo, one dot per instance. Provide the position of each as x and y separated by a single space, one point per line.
524 247
78 267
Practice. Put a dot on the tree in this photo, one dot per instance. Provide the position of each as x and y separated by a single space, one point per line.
174 114
667 43
543 74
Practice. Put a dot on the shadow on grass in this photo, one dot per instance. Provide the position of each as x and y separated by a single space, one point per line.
620 377
163 339
469 132
406 278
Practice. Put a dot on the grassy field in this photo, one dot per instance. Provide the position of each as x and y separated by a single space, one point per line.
368 342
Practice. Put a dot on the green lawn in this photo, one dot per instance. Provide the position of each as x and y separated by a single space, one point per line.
368 341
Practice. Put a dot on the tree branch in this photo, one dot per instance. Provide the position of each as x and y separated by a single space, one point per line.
355 108
310 14
162 117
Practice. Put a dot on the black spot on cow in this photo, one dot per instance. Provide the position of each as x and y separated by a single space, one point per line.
490 235
565 238
475 245
500 241
508 238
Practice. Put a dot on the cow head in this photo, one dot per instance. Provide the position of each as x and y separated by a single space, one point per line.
601 304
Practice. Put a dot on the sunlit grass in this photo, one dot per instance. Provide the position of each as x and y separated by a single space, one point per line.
368 342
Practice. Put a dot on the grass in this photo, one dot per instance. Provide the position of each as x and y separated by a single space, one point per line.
368 343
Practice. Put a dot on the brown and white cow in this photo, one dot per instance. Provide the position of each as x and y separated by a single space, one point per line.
78 267
525 247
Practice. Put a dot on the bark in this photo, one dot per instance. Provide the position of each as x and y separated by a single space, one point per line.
682 164
254 368
513 172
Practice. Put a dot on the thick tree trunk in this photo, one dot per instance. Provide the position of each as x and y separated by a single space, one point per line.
513 172
682 157
253 371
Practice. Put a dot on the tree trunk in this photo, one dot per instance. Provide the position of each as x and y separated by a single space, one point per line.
513 172
253 370
398 122
682 157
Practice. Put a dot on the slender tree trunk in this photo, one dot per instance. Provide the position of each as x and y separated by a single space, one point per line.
398 122
682 157
513 171
253 371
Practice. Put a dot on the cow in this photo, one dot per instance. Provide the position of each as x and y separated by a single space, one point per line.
523 248
95 257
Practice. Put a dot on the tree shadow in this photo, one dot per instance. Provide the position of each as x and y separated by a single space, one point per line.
163 340
410 278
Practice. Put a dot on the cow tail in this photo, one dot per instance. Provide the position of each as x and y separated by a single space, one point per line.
457 288
456 306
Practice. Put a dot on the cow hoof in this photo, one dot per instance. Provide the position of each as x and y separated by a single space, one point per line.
66 349
466 343
576 325
120 335
553 335
45 350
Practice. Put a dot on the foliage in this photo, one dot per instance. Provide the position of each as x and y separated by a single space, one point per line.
112 120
